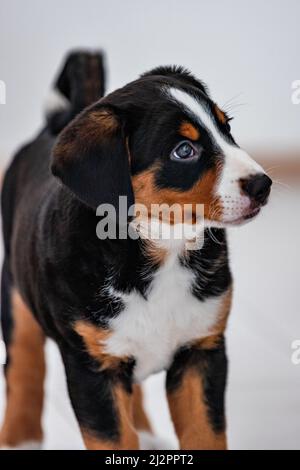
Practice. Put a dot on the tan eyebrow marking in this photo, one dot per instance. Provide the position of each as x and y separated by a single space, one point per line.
189 131
220 115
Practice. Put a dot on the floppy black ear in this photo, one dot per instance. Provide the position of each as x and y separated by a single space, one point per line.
91 159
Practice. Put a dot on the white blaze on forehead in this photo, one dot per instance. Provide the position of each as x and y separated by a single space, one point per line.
201 114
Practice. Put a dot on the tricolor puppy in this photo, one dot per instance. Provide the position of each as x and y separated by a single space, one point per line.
122 308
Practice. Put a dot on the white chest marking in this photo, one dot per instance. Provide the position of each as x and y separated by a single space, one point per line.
152 330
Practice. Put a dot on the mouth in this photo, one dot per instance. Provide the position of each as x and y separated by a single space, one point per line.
252 213
246 217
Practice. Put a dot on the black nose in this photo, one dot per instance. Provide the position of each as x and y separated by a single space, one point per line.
257 187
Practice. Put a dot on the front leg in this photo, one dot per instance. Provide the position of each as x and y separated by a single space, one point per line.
102 402
196 384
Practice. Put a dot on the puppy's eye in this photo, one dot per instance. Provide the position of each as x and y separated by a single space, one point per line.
184 151
227 127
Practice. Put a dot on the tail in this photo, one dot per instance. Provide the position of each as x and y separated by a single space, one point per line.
80 83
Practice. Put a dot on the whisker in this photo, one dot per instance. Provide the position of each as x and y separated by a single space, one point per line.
230 100
285 185
234 108
267 170
213 237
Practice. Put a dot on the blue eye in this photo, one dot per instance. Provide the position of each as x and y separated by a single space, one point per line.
184 151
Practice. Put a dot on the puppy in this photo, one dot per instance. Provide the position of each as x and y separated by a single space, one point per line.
121 308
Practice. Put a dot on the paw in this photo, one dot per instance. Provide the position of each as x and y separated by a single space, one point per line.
149 441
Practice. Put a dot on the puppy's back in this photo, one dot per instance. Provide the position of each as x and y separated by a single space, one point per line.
28 180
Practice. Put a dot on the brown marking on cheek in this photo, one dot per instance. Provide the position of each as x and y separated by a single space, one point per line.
212 341
190 417
140 418
189 131
144 187
220 115
128 439
203 192
25 377
94 339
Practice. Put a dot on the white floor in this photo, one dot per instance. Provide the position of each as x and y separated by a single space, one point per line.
263 396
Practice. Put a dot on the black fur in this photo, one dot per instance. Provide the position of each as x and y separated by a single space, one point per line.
98 170
180 73
91 394
52 254
81 81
